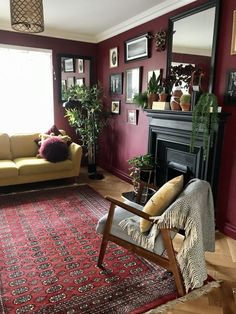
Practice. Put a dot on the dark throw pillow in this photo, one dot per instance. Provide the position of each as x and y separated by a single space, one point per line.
53 130
54 149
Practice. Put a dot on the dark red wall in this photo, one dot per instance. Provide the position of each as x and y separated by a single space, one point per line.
58 46
121 140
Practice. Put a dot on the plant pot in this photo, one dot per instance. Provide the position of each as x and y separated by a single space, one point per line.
174 104
151 99
185 106
162 97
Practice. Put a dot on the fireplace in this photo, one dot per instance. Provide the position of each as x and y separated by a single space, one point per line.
169 138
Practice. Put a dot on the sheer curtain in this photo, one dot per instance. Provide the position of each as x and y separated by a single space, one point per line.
26 89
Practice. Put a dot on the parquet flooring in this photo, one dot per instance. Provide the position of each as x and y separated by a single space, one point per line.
221 264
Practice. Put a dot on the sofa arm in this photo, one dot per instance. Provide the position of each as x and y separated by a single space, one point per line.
75 155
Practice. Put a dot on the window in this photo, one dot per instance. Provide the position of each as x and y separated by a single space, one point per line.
26 89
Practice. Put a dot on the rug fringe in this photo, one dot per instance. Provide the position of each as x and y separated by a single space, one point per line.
195 294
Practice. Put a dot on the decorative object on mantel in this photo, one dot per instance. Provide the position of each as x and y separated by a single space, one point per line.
27 16
175 98
185 102
153 89
205 118
160 40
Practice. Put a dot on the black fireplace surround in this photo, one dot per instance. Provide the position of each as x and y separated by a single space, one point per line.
169 139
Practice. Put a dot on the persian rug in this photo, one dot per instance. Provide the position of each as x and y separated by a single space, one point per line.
48 255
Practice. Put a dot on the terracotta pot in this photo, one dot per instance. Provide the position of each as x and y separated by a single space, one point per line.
162 97
185 106
174 103
151 99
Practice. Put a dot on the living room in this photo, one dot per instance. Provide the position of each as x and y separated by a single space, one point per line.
121 140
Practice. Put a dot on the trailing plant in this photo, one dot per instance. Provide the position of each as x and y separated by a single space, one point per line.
141 100
205 119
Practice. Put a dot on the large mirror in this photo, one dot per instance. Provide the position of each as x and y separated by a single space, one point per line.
74 70
192 42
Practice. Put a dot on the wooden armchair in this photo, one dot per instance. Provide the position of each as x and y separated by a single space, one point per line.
108 225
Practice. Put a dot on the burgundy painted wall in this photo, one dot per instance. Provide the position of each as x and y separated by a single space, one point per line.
58 46
121 141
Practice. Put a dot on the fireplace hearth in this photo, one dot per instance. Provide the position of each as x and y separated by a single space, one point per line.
169 139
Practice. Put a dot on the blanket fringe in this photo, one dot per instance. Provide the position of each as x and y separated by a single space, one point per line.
195 294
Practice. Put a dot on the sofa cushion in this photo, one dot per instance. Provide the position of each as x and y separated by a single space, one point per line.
54 149
5 152
34 165
8 169
23 145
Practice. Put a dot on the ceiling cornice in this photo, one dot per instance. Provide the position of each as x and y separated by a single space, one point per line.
146 16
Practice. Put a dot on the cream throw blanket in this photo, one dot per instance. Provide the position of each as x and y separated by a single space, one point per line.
192 211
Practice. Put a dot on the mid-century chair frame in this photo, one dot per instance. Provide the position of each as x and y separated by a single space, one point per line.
169 263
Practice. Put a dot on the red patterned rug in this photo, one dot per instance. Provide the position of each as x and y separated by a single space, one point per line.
48 254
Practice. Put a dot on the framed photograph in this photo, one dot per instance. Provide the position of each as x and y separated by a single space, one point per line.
116 83
79 81
133 83
132 116
113 57
69 65
70 81
230 92
233 40
115 107
136 48
80 65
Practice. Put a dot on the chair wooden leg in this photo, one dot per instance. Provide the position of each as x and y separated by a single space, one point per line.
102 251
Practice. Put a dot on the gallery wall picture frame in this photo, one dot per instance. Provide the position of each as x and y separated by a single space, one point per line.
115 106
113 57
233 39
137 48
79 81
230 91
69 65
80 63
132 83
70 81
132 116
116 83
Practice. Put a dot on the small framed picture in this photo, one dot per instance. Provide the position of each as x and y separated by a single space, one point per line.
115 107
132 116
230 92
116 83
69 65
137 48
79 81
113 57
70 81
80 65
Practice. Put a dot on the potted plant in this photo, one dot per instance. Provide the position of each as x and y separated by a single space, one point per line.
86 115
204 118
185 102
152 89
142 168
141 100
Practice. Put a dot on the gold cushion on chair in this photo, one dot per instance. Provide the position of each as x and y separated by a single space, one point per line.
161 200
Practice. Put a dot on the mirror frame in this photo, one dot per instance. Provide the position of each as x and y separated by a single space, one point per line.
205 6
74 56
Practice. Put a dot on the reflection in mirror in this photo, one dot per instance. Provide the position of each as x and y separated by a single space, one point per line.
192 45
74 71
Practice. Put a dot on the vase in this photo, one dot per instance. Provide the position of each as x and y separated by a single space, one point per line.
174 103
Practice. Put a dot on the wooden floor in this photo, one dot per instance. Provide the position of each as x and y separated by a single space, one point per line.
221 264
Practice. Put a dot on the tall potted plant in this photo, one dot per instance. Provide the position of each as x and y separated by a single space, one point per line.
204 118
86 116
153 89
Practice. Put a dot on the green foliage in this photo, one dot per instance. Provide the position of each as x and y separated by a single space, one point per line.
141 100
87 116
185 98
154 84
143 161
205 120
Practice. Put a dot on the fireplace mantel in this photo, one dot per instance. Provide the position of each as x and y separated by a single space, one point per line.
169 139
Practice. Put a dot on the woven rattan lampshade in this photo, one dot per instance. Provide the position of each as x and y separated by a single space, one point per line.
27 16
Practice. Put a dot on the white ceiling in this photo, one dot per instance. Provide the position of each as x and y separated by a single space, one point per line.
94 20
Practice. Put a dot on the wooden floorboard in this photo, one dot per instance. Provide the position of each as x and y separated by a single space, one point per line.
221 264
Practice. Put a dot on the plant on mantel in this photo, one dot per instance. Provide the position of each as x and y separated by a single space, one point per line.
205 119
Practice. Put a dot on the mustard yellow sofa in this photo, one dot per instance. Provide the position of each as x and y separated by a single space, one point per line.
19 164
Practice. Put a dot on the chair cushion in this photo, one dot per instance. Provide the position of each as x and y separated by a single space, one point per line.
8 169
161 200
5 152
23 145
121 214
